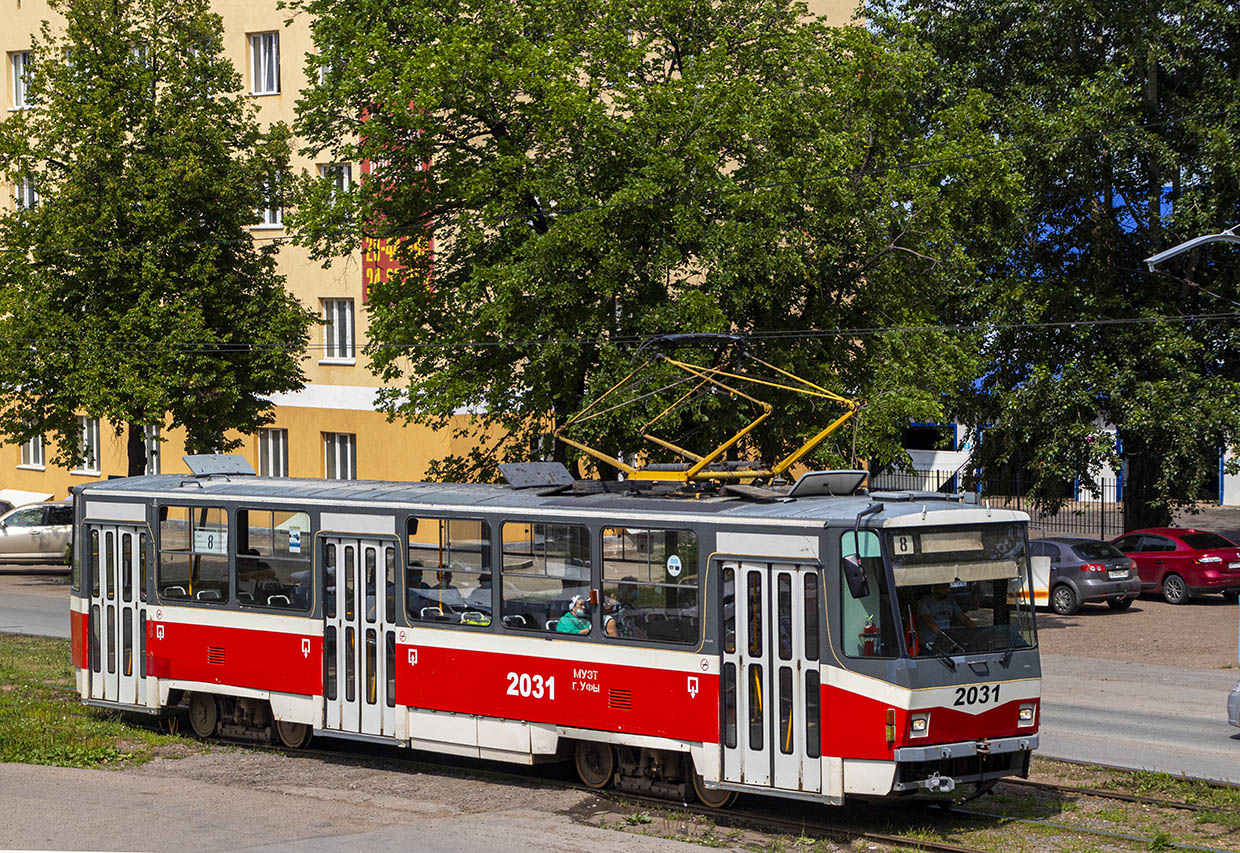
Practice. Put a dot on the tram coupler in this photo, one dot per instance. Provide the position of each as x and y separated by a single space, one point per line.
939 784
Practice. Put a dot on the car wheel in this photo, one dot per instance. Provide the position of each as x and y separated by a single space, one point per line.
1174 590
1119 603
1063 600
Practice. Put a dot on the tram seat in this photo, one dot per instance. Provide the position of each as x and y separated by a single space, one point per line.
245 596
434 613
515 621
174 592
209 595
551 623
280 600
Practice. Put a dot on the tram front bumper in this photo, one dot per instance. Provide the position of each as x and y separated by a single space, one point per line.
942 766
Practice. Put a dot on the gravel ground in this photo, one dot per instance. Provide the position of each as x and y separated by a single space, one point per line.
1201 634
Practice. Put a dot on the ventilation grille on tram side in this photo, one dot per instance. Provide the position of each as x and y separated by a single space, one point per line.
620 700
215 655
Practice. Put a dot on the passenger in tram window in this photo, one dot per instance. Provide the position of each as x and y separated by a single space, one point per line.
447 596
627 607
576 620
611 625
937 611
480 597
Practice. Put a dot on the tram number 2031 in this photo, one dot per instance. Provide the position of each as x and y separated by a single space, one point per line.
975 695
531 686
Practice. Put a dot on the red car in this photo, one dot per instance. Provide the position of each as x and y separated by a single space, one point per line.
1181 562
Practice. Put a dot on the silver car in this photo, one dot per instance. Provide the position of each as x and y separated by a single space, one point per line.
1233 705
38 533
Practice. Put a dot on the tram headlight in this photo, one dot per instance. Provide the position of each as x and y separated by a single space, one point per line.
1024 717
919 724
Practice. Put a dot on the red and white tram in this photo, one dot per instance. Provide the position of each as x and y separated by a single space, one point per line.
812 645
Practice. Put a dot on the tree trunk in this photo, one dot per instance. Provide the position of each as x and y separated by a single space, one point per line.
136 449
1139 489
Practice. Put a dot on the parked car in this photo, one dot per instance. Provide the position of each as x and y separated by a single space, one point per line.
1086 570
38 533
1182 562
1233 705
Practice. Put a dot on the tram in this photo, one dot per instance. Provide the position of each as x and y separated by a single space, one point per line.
818 641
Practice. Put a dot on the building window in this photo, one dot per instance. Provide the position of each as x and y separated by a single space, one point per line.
27 196
22 65
32 453
89 428
151 443
339 456
340 175
271 214
338 329
265 56
273 452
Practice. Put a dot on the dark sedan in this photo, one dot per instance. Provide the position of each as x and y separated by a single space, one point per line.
1086 570
1182 562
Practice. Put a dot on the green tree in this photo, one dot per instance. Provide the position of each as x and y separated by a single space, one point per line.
1127 119
596 173
134 291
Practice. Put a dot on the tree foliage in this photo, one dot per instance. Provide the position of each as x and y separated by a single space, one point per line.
1126 117
592 174
134 290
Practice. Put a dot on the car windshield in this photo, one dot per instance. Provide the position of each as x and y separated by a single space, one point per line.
962 589
1202 541
1096 551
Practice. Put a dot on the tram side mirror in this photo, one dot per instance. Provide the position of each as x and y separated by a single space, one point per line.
854 576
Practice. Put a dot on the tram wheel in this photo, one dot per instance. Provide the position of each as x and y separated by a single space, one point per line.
1174 590
714 798
596 763
204 714
293 735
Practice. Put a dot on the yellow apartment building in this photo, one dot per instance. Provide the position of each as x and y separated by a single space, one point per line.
330 428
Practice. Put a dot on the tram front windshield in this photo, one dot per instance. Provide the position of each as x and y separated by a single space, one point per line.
956 590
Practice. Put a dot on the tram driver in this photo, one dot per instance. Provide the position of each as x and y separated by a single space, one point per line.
937 611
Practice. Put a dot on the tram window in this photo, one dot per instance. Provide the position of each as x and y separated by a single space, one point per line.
329 570
449 576
370 568
193 554
94 563
813 728
142 643
350 580
273 559
127 566
754 581
652 574
785 710
389 584
783 606
127 641
546 566
94 638
811 616
372 673
142 566
350 656
111 630
757 719
390 669
329 658
729 610
729 705
867 626
109 559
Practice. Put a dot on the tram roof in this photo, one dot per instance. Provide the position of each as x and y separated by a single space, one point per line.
900 508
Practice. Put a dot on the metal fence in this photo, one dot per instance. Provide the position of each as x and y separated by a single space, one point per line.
1094 513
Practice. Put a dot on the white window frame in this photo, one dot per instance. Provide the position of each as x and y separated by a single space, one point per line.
270 215
339 456
273 452
339 344
265 63
152 444
32 454
341 176
20 64
88 429
26 196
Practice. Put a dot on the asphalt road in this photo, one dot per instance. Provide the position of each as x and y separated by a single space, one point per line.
1131 715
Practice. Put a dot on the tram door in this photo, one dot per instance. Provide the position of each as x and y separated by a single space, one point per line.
359 642
117 648
770 674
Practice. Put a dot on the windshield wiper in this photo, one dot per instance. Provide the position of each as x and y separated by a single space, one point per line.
943 656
